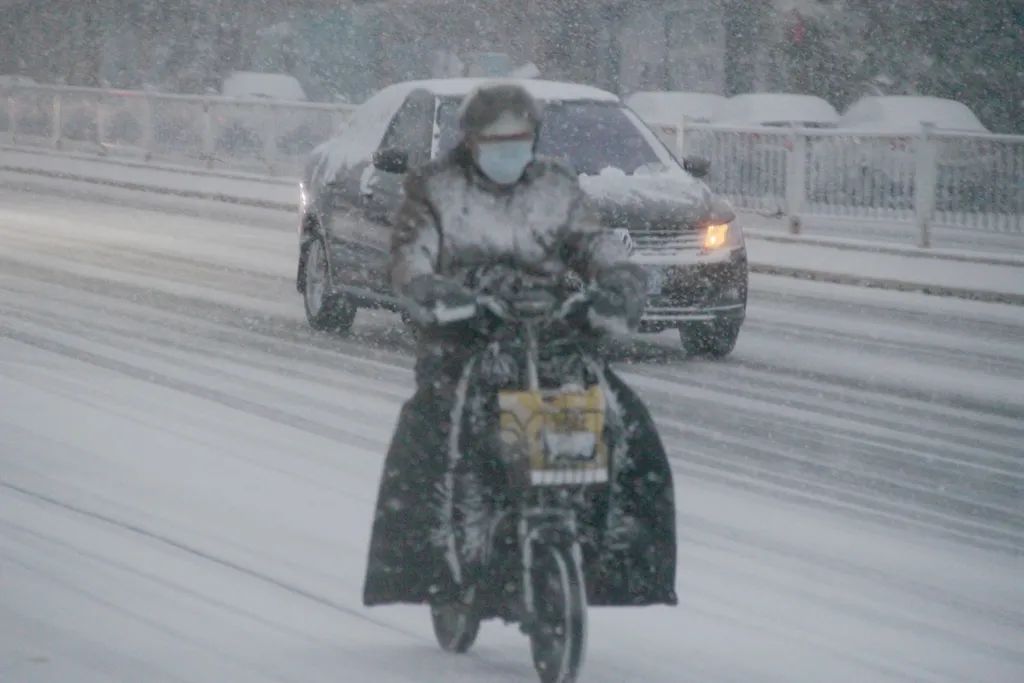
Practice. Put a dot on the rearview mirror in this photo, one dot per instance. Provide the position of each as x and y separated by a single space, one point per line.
698 167
391 160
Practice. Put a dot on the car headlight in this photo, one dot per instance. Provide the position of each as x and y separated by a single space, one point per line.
716 236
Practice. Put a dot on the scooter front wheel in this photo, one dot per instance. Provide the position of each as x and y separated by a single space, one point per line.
558 633
457 623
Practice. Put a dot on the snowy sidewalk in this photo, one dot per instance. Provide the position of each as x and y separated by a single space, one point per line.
886 233
193 182
940 273
996 275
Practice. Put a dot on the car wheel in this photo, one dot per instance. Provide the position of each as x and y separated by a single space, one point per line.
715 339
323 311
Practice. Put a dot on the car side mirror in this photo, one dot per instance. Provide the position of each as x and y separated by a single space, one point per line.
698 167
391 160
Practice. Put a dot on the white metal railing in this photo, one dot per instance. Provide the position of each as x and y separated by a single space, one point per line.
269 136
945 179
936 178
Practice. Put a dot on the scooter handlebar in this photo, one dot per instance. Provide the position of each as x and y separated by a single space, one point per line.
506 310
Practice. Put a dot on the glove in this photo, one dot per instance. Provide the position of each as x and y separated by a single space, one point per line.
431 290
427 293
620 293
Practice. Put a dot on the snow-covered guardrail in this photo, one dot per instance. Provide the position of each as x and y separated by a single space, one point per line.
263 135
943 179
933 178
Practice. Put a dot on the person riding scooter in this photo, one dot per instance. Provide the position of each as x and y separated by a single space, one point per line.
493 202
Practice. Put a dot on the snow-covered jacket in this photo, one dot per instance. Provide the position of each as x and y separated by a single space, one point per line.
454 219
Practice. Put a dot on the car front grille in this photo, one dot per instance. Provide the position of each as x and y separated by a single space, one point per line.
656 312
664 242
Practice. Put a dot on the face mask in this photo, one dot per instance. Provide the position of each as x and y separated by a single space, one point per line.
504 162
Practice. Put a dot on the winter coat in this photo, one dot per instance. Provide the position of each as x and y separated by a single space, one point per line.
451 221
453 218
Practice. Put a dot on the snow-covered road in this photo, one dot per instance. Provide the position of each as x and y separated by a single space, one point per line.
187 475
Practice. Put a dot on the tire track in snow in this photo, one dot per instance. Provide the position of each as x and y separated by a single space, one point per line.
209 557
822 483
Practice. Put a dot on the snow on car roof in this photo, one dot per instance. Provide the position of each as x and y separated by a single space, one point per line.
905 113
668 108
256 84
760 108
547 91
371 119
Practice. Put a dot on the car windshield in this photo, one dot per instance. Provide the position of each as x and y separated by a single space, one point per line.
589 136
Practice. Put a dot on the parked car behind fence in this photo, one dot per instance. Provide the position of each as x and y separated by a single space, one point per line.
664 112
883 168
751 162
246 129
926 176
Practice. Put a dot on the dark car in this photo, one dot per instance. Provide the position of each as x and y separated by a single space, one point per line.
695 256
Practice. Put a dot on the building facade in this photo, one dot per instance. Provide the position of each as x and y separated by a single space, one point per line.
347 49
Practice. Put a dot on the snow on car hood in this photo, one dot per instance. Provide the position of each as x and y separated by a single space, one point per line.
652 197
